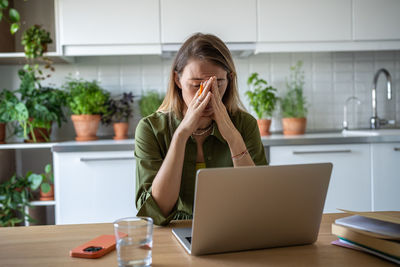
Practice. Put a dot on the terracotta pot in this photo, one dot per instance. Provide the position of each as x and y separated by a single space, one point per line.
42 135
263 126
294 126
2 133
86 126
47 196
121 130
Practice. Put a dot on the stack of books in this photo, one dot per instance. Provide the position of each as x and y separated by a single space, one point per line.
377 233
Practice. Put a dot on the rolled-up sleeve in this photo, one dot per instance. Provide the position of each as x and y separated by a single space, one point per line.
148 162
252 139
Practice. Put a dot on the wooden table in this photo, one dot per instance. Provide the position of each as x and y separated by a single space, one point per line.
50 245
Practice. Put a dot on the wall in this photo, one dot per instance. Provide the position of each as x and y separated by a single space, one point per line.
330 79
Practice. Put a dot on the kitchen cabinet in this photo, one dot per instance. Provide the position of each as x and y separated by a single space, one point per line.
350 184
307 20
93 27
94 187
376 20
231 20
386 176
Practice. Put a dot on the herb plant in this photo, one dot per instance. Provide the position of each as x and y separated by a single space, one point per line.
15 195
149 103
262 98
294 104
119 110
86 97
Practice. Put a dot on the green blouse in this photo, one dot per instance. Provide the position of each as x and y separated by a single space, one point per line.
152 139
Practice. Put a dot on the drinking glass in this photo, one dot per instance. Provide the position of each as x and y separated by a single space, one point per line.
134 237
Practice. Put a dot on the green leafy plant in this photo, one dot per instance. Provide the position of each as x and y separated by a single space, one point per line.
35 41
13 16
45 179
9 106
294 103
44 104
13 110
149 103
262 98
15 195
119 110
86 97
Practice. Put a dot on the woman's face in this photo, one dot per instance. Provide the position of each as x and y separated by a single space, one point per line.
194 73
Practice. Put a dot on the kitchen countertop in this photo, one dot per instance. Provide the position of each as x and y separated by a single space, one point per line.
93 146
276 139
339 137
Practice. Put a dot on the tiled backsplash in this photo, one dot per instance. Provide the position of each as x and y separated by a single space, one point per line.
330 78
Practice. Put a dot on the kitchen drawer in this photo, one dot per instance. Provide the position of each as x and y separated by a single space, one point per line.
386 176
94 187
350 184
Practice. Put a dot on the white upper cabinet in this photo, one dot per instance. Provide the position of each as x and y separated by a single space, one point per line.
231 20
302 21
376 19
104 27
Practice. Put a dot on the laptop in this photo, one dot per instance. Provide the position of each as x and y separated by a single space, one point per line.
256 207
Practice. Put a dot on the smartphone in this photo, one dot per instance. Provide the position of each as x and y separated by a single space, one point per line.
95 248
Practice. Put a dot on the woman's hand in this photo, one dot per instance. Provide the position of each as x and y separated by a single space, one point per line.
194 111
220 114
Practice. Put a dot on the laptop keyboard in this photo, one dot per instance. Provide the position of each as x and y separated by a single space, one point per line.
189 239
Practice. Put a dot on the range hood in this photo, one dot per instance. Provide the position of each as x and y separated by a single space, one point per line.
237 49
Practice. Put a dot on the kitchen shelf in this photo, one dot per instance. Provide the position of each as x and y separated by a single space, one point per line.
27 145
43 203
19 58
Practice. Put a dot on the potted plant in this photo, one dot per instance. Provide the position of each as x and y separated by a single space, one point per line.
46 181
44 105
149 103
263 101
7 104
294 104
119 112
87 102
35 41
15 195
13 110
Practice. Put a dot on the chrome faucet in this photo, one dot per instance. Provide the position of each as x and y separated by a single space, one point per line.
375 121
345 123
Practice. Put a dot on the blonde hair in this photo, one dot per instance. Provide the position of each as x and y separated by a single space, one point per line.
204 47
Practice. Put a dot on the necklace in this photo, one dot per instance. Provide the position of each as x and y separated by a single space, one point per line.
202 131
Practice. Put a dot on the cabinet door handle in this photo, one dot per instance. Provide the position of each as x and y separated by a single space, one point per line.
322 151
106 159
396 149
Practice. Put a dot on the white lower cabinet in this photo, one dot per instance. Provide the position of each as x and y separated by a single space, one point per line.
386 176
94 187
350 184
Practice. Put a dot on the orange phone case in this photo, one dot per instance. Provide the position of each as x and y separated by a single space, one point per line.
95 248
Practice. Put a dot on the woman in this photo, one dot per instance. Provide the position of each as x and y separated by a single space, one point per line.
201 123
